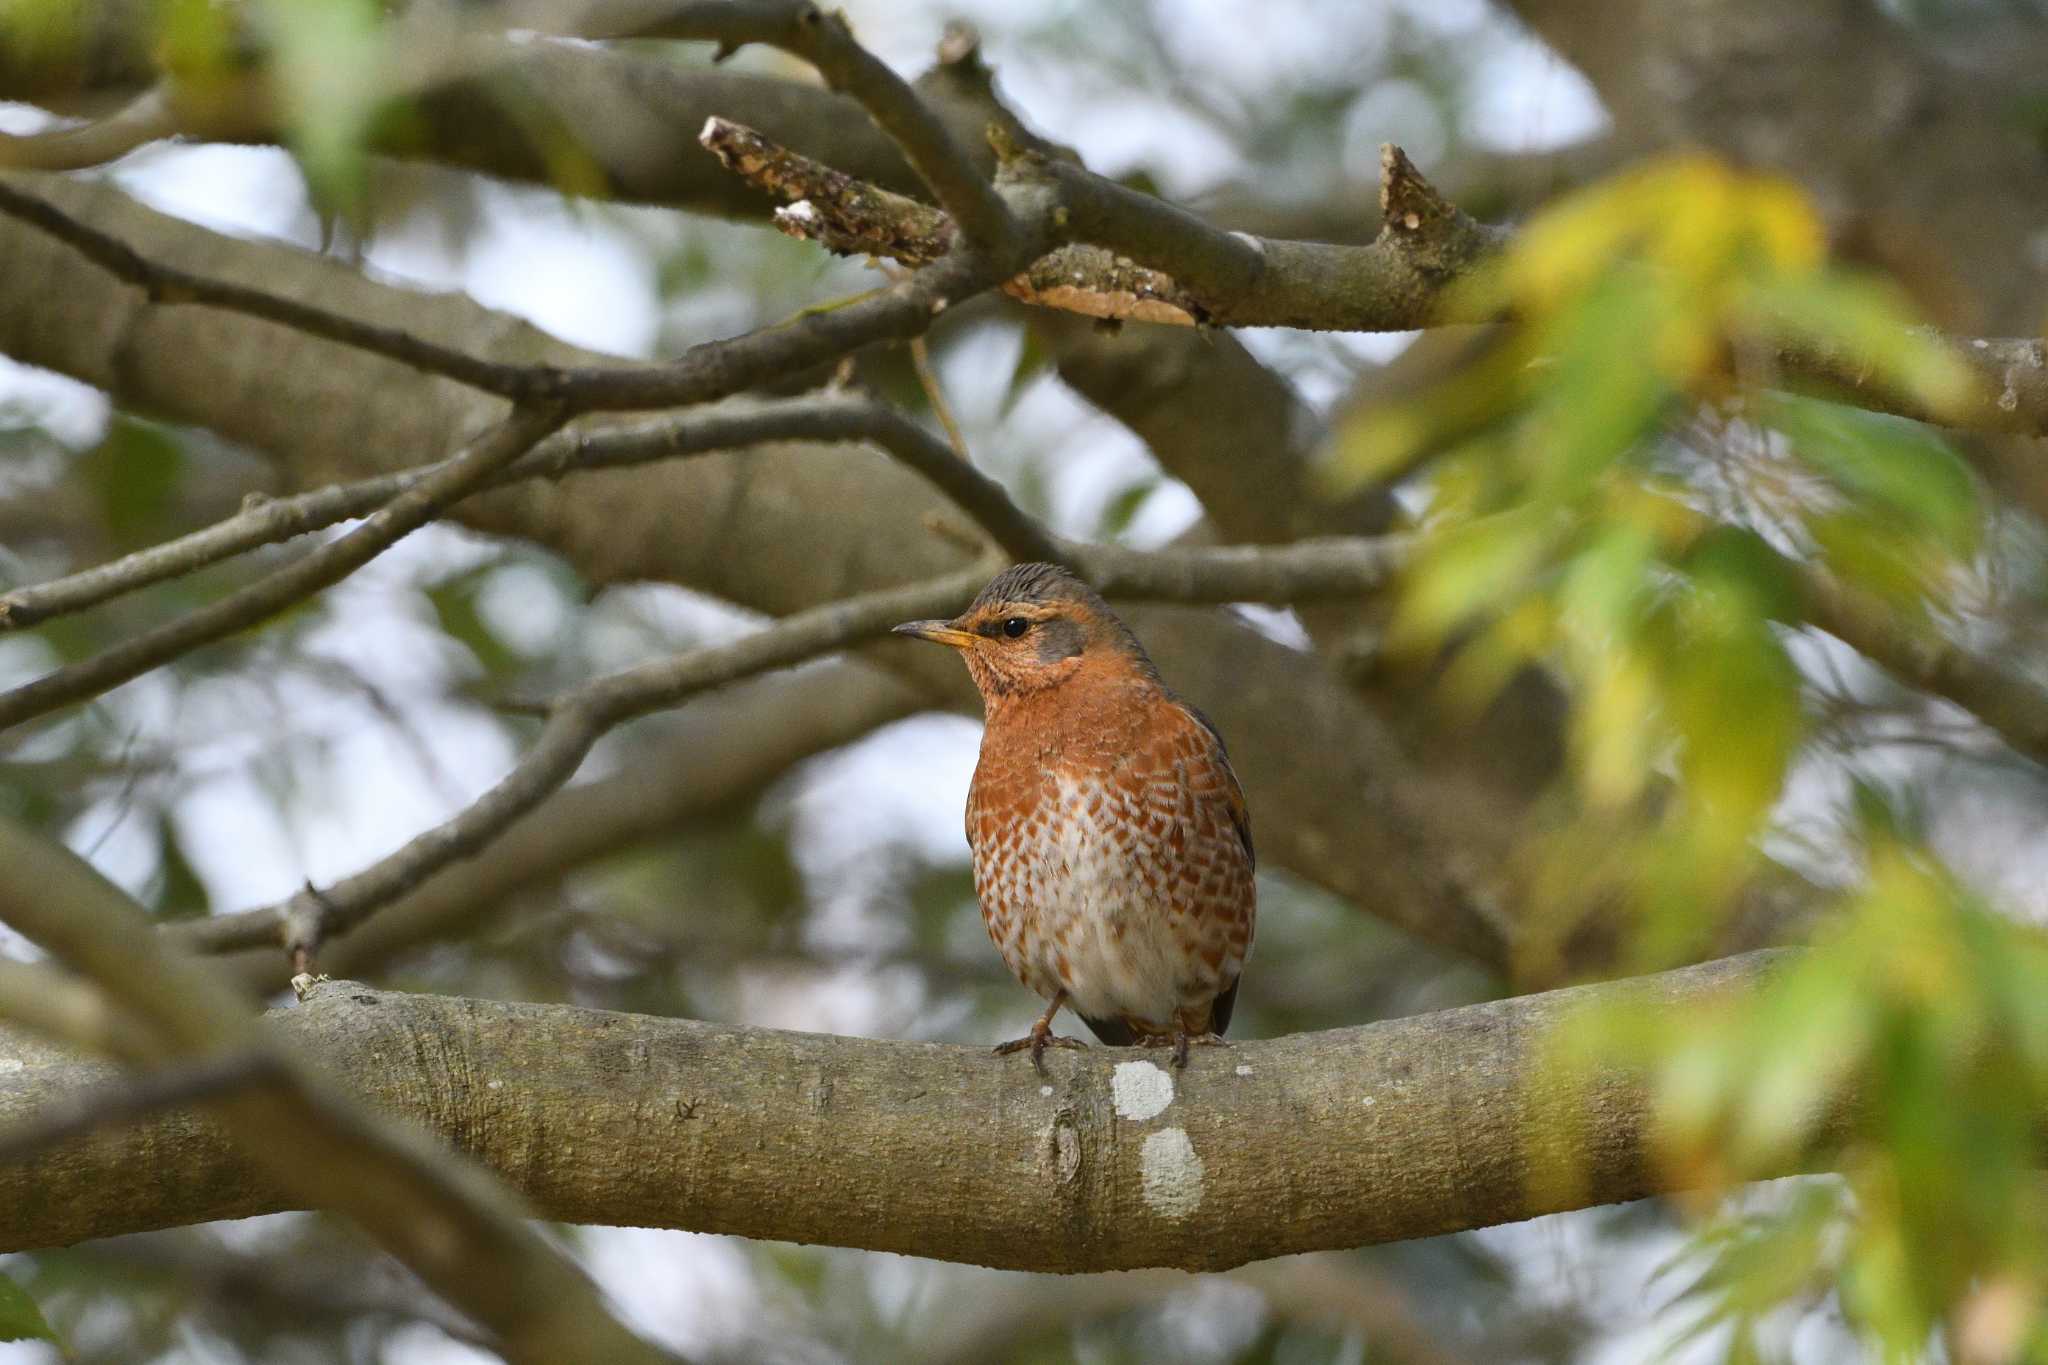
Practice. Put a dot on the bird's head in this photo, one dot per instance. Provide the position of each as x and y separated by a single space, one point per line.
1033 627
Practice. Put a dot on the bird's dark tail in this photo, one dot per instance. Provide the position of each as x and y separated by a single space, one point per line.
1113 1032
1117 1033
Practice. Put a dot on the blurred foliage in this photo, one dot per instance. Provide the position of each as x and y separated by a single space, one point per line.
1561 524
1906 1048
20 1319
1568 518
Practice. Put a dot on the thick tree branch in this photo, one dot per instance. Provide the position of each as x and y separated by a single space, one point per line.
1408 1128
304 1138
1134 256
172 1087
326 566
853 218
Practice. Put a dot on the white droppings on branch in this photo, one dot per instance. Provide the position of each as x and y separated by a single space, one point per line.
1170 1172
802 211
1141 1091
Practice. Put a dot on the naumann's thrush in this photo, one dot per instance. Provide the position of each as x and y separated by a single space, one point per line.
1112 852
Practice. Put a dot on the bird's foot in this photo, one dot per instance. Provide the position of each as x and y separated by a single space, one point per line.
1180 1041
1038 1040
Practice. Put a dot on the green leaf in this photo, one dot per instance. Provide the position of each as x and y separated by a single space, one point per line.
1606 389
329 64
134 472
1479 564
1737 560
1900 467
1123 508
1871 324
20 1319
455 607
178 892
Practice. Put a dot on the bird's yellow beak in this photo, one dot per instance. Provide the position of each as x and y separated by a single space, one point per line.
938 632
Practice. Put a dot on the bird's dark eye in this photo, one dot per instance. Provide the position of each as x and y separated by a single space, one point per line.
1015 626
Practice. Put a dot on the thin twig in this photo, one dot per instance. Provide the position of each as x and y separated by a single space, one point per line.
575 722
702 374
329 564
934 394
819 418
146 118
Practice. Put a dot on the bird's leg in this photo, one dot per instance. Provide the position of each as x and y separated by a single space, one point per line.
1180 1039
1041 1036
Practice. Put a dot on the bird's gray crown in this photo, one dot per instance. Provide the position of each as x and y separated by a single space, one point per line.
1038 584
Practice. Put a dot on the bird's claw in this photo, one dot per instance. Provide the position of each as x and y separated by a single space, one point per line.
1180 1042
1038 1040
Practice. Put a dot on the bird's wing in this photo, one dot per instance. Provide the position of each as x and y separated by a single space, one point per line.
1187 744
1232 794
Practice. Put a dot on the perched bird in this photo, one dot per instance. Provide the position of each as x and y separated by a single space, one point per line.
1112 852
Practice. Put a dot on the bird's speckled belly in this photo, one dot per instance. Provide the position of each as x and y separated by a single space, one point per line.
1083 899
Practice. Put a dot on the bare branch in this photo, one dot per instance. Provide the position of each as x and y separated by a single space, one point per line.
144 119
715 755
1138 257
1332 567
328 565
800 27
2012 706
1158 263
166 284
707 371
853 218
822 418
125 1101
1406 1128
60 1007
575 722
447 1218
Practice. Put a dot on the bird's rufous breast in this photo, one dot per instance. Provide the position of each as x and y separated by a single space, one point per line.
1110 855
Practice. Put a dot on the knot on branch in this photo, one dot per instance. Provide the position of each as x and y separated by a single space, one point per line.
1433 234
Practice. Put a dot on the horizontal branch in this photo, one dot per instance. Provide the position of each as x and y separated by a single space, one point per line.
1134 256
1145 260
126 1100
144 119
705 372
1408 1128
821 418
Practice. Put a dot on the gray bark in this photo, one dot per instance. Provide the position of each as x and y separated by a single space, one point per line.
1406 1128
